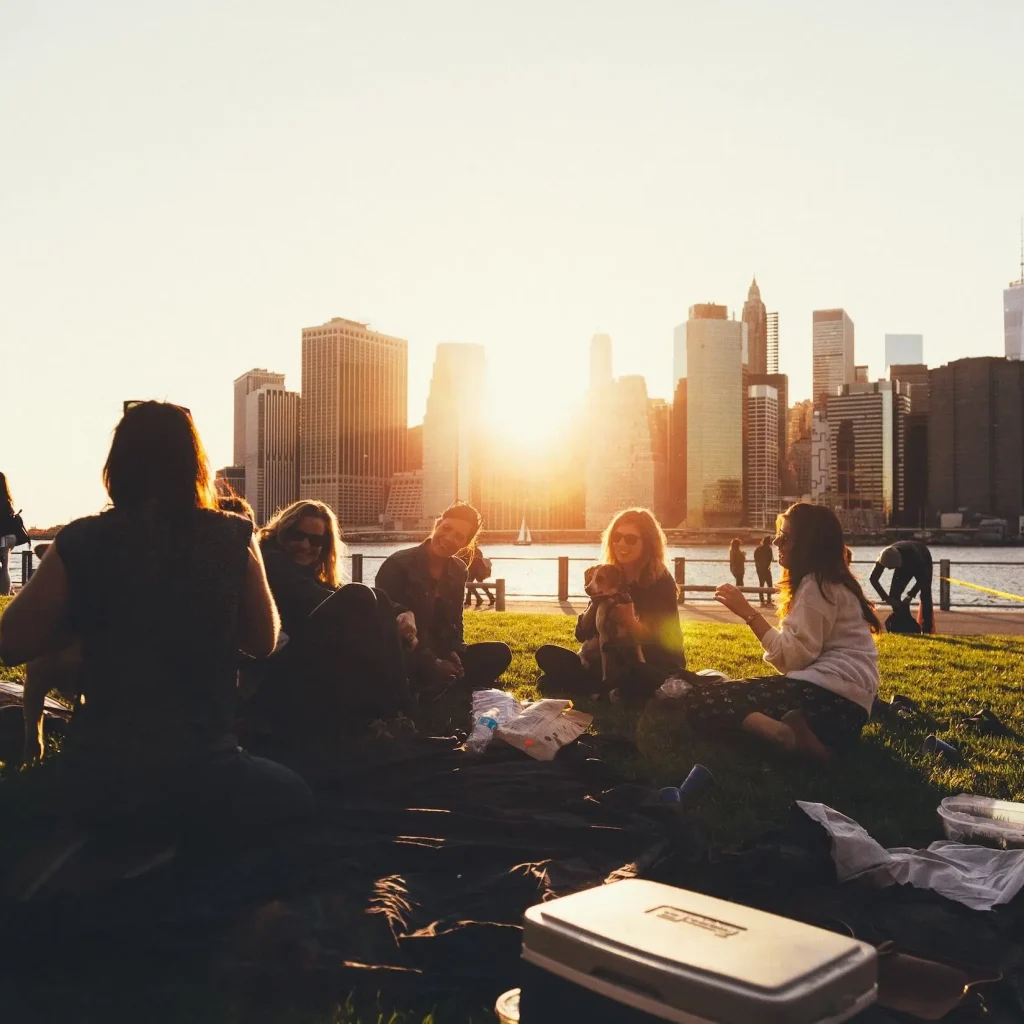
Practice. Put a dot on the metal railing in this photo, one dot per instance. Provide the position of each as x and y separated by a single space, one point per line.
23 563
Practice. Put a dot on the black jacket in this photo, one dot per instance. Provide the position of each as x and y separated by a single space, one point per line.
437 604
296 589
763 558
657 608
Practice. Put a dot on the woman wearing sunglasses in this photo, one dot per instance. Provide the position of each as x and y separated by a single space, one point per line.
342 665
635 542
823 646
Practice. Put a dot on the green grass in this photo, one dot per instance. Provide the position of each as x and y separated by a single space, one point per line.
885 783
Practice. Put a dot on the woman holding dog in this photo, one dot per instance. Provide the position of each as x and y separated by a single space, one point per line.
11 534
824 647
634 543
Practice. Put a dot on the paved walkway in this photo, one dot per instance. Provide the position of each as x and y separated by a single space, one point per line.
960 622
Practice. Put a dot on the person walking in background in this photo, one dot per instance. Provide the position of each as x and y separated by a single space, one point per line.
430 580
737 561
763 559
911 564
12 533
635 542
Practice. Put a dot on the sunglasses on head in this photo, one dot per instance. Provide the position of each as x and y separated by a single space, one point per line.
629 539
134 402
318 540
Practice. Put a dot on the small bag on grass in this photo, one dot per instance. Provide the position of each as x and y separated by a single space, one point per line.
539 728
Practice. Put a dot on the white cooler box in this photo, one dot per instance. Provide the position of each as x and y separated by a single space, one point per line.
640 951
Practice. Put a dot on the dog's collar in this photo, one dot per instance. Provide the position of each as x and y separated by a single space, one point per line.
620 598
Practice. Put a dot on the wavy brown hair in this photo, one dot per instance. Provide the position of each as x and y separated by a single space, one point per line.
652 537
157 458
6 501
327 566
818 550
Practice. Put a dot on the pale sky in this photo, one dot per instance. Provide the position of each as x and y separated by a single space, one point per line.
184 186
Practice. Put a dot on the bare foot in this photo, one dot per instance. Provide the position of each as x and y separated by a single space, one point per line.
769 729
807 743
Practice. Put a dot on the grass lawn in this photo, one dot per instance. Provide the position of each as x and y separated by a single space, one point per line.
886 783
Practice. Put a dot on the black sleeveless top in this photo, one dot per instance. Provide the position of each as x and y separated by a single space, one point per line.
156 603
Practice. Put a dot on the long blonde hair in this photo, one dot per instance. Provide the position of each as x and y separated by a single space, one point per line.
327 567
652 537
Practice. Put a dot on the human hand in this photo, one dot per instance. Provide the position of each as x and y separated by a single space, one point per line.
445 670
407 629
730 596
454 658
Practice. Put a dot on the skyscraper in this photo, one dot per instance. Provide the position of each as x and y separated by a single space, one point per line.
714 418
659 421
903 348
1013 318
354 417
756 319
868 425
677 457
832 349
678 354
976 443
763 455
250 381
271 450
451 427
780 382
773 342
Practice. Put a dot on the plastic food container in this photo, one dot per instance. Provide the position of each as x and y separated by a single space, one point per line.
976 819
637 951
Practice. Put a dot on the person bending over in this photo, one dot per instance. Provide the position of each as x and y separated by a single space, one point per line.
430 581
160 591
342 665
824 647
911 564
635 542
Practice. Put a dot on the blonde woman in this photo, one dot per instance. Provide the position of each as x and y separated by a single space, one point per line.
635 542
343 663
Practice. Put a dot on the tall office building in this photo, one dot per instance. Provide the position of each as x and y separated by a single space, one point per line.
354 418
714 418
678 354
903 348
250 381
763 455
780 382
451 427
868 425
860 375
659 422
773 342
976 438
916 383
230 480
1013 319
756 318
272 417
832 350
677 457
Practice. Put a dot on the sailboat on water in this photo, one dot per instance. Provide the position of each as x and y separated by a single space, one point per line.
524 537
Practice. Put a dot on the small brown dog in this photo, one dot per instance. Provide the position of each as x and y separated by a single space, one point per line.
616 622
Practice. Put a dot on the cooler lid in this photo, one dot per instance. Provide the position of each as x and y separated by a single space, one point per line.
692 932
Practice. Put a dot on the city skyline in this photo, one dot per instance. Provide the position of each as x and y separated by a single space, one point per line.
498 186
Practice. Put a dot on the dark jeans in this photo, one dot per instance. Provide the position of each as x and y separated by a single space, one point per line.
738 577
483 663
764 579
211 794
344 669
565 675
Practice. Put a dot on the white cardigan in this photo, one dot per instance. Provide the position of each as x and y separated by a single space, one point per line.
825 640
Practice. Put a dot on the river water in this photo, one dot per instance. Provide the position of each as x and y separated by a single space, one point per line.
533 571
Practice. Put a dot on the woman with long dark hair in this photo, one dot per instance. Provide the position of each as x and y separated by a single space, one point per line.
161 590
824 647
635 542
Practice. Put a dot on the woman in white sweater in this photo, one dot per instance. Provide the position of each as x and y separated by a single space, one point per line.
824 647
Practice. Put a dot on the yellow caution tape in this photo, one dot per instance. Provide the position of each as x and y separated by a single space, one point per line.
984 590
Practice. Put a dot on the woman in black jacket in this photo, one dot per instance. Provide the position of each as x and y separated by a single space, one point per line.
430 580
634 541
342 664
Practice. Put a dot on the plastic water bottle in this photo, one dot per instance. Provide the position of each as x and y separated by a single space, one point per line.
482 731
